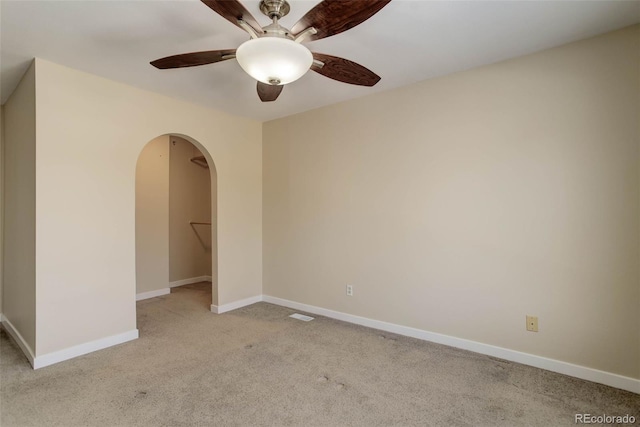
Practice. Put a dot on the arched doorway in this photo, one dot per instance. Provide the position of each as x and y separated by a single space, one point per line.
176 219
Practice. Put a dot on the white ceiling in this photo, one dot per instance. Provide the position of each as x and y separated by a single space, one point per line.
406 42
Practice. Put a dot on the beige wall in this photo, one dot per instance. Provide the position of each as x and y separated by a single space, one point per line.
152 216
19 269
90 134
461 204
190 195
1 200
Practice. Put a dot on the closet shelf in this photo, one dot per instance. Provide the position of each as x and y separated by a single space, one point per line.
200 161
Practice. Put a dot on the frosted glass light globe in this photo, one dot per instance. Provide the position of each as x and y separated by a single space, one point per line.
274 60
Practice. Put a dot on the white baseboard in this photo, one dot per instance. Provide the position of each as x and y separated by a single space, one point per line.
67 353
190 281
81 349
219 309
577 371
8 326
152 294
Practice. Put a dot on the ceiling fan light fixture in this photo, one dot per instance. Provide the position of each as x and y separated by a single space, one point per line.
274 60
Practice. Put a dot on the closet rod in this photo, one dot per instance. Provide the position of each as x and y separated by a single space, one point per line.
200 161
202 223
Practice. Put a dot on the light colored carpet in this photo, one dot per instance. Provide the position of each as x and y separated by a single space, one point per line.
257 366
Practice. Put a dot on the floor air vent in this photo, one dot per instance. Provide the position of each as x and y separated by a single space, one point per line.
301 317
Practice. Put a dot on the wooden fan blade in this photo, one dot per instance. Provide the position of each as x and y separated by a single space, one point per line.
194 58
344 70
268 93
232 10
332 17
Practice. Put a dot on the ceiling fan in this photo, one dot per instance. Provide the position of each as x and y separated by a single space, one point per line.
274 55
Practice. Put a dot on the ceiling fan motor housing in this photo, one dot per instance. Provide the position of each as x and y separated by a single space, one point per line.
274 8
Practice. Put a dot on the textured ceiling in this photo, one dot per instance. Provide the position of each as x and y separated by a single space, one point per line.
408 41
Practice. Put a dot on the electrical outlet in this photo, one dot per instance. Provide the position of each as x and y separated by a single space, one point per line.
532 324
349 290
